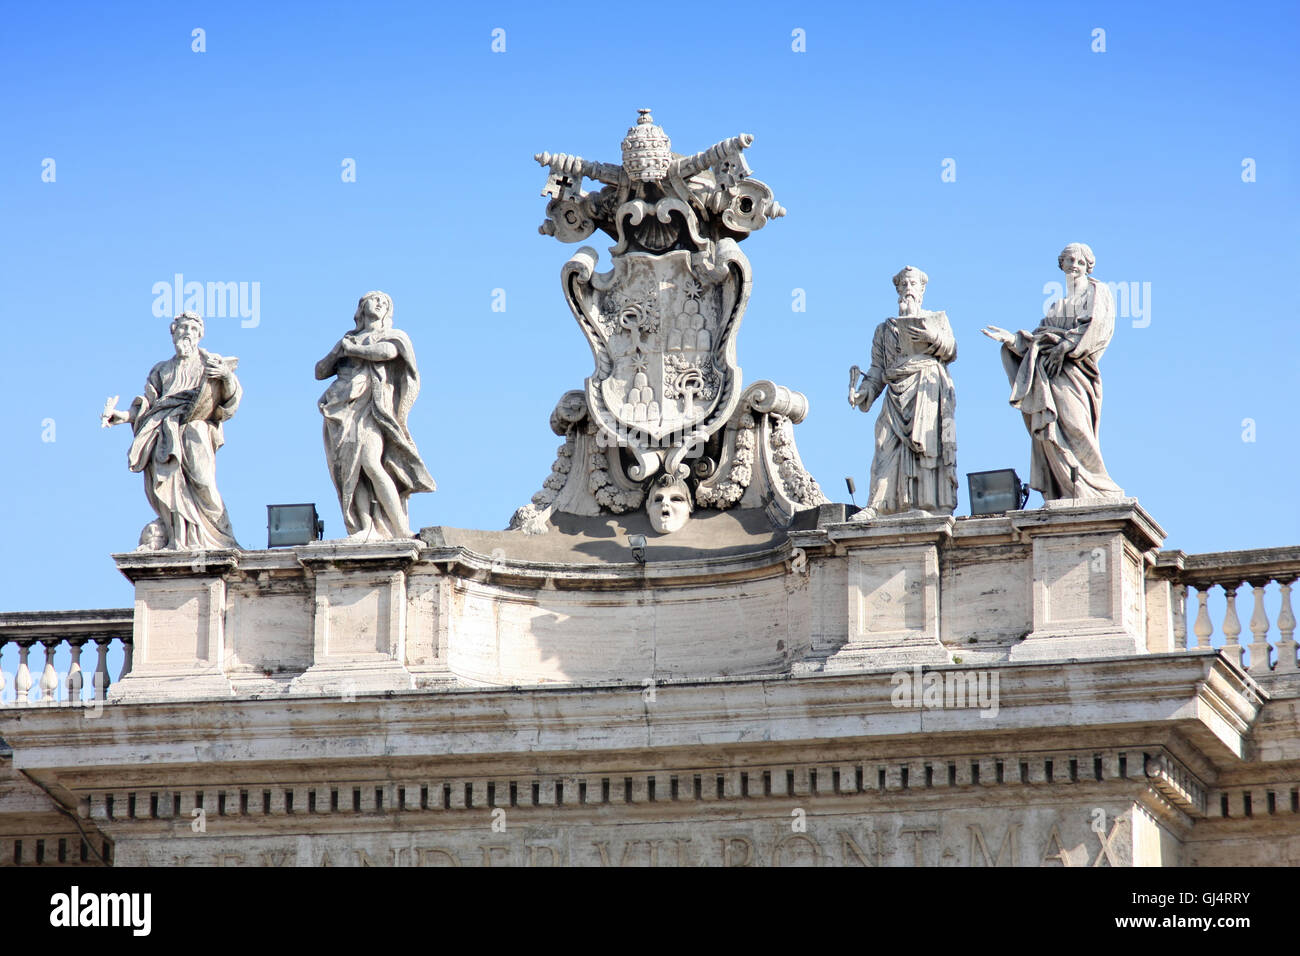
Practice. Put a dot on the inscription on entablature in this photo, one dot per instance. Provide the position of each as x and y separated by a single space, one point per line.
1096 836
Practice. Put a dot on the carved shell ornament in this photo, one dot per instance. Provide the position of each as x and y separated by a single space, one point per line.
657 236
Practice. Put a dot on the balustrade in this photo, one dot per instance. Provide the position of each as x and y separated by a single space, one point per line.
1230 571
52 630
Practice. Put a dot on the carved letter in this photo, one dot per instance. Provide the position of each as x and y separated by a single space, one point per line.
780 848
532 855
917 833
727 856
848 844
426 855
1008 844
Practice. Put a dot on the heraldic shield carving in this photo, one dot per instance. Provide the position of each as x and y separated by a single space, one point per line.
663 332
665 408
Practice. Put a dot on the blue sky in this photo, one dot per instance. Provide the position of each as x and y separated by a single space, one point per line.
225 166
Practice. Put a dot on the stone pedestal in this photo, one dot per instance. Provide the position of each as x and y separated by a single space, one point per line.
893 591
178 641
1088 584
359 616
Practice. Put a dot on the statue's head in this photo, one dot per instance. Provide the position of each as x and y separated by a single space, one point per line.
1076 259
668 504
374 311
910 285
647 151
186 329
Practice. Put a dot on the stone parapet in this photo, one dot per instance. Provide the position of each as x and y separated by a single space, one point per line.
727 596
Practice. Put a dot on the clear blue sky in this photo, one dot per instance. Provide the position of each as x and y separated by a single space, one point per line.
226 166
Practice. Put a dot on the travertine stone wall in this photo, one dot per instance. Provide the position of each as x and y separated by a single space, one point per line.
1111 762
1060 583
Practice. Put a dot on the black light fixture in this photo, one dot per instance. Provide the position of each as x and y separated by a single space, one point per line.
996 492
637 543
292 524
848 481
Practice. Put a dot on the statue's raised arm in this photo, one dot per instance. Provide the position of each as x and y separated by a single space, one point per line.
177 423
1056 383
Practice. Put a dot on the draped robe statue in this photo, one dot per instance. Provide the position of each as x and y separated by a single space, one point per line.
915 462
177 425
1056 383
372 458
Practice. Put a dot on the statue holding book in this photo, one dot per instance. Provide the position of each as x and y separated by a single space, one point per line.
178 428
914 467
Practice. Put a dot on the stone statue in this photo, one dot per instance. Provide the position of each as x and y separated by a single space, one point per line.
177 425
666 396
1056 384
371 455
915 464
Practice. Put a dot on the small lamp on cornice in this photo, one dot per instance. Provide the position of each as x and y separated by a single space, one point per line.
996 492
292 524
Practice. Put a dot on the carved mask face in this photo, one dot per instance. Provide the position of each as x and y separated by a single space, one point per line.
668 508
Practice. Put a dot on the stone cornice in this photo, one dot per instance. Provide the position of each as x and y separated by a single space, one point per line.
143 565
1195 693
466 564
34 625
1125 513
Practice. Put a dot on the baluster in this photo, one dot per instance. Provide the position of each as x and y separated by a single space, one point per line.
1231 625
50 677
128 656
1180 616
101 667
1286 645
1259 649
3 642
75 677
23 679
1203 629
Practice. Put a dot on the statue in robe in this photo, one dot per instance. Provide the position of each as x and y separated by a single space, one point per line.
915 462
1056 383
178 429
372 458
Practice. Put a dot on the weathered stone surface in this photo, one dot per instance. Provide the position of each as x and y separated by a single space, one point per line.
179 638
691 773
726 595
893 592
1088 569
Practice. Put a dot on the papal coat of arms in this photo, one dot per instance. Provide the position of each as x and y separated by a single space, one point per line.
665 405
